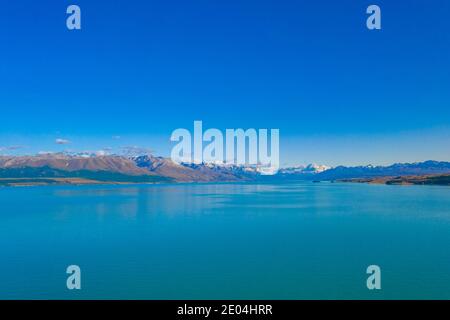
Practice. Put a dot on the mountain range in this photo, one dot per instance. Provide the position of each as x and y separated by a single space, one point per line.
73 168
398 169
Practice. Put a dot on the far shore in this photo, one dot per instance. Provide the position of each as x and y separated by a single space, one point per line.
34 182
442 180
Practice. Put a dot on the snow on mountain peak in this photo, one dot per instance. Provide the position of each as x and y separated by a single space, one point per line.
301 169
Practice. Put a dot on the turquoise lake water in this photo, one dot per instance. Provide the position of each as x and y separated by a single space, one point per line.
225 241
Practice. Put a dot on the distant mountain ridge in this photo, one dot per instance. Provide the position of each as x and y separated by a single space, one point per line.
398 169
149 168
81 166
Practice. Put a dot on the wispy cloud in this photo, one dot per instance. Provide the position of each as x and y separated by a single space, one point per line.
10 148
136 151
13 147
62 141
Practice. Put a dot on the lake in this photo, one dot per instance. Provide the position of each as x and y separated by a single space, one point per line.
225 241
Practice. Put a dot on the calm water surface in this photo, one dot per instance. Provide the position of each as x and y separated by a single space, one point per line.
225 241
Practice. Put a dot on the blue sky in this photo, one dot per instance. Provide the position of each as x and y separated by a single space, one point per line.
339 93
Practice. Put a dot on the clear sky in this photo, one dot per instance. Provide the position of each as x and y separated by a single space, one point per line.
338 92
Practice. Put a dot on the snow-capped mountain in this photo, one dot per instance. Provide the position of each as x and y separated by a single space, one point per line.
192 171
308 169
397 169
152 168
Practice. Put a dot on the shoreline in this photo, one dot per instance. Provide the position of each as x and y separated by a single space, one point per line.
441 180
427 180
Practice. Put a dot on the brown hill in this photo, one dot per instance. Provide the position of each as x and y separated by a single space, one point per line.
74 163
